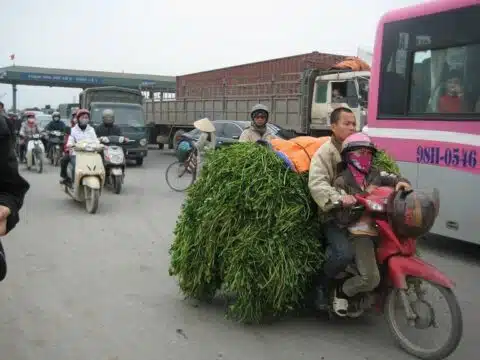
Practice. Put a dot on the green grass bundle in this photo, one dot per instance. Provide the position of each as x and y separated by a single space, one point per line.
249 227
385 162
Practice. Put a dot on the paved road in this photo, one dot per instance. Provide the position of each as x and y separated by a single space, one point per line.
97 287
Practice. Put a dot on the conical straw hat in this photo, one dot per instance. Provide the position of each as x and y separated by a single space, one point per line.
204 125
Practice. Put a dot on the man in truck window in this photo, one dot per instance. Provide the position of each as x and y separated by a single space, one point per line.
258 130
337 96
322 174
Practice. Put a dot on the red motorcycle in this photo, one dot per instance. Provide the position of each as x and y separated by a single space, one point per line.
404 275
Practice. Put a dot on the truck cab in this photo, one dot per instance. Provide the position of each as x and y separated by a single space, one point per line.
339 88
127 105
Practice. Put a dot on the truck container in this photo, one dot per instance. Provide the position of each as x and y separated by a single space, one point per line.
189 85
300 100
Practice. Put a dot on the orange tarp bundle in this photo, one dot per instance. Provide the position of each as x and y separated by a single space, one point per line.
299 150
352 63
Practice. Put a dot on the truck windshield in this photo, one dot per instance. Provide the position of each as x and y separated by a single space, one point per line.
125 115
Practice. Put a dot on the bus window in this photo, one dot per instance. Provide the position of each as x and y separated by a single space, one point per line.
418 55
451 84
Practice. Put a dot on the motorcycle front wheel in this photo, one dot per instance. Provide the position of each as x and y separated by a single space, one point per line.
425 321
38 160
117 184
92 197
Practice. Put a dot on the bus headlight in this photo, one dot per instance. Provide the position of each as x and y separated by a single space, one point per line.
143 142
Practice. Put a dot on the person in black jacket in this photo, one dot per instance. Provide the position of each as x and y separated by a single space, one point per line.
13 186
108 127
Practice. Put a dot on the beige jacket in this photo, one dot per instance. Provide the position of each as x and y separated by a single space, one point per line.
323 171
251 135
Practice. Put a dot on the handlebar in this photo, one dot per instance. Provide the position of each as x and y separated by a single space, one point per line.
115 139
363 203
337 205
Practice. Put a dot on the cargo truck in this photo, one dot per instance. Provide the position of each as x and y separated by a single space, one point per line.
301 101
127 104
65 110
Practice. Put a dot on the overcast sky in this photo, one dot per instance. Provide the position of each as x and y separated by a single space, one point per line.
167 37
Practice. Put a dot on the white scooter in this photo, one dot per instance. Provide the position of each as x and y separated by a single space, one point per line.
87 179
114 160
35 152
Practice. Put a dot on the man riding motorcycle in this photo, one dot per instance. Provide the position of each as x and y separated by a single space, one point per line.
55 125
258 130
108 127
28 129
81 131
322 173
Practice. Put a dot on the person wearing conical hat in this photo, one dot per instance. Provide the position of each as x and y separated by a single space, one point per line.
206 141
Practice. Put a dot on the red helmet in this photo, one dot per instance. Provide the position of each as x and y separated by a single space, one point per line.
81 112
29 114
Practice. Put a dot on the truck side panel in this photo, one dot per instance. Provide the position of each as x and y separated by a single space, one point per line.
285 111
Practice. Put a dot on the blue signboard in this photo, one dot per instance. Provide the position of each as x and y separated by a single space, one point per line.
62 78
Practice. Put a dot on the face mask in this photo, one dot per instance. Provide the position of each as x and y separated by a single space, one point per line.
361 160
83 122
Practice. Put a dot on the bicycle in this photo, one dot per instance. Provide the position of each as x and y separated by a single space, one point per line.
183 169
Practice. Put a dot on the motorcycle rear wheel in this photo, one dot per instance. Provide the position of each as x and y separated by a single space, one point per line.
453 339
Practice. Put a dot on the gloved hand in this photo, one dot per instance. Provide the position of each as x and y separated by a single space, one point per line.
403 186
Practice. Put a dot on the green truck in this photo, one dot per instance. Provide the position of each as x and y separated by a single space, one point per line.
127 105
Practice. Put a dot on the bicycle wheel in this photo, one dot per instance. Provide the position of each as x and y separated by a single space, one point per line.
179 176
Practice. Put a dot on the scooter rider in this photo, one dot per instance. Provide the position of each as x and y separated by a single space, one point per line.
258 130
55 125
357 175
81 131
28 129
108 127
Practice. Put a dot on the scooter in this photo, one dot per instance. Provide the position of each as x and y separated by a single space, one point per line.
114 161
87 178
35 152
55 144
403 276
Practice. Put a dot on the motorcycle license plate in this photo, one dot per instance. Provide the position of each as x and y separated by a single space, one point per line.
116 171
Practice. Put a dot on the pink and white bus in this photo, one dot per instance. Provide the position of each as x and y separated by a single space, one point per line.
424 106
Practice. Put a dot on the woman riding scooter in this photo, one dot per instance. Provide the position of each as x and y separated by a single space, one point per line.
356 175
28 129
81 131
